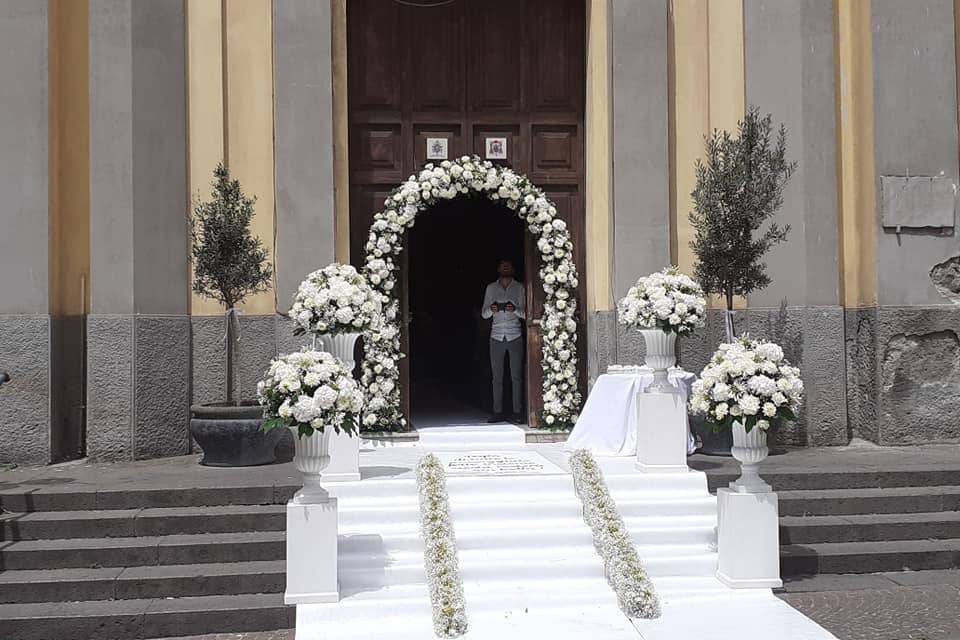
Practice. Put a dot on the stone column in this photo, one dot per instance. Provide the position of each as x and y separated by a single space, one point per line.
139 329
801 308
303 130
908 348
641 159
25 325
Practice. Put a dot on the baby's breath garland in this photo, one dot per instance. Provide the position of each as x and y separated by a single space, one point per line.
633 588
469 175
440 550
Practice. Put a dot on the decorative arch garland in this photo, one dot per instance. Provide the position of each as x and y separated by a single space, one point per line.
469 175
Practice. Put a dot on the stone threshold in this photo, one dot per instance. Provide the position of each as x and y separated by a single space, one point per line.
532 436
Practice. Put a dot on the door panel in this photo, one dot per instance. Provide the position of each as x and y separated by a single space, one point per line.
467 71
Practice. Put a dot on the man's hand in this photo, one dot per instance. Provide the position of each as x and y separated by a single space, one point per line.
494 308
510 307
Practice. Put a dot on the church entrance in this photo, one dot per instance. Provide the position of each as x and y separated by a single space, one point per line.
454 249
428 81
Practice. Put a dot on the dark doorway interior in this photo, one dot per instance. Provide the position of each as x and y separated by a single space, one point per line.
454 249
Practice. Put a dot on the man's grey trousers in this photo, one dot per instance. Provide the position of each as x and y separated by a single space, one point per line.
499 351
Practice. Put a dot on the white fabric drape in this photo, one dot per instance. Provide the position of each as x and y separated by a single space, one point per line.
608 423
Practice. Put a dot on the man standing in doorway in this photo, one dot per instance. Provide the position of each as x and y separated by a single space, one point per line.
505 302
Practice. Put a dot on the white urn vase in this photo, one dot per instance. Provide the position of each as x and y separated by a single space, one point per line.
311 457
344 448
661 355
340 346
750 449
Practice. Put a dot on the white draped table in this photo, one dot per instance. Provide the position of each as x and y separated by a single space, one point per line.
608 423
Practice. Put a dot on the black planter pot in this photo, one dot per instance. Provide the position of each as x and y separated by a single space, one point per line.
230 435
712 444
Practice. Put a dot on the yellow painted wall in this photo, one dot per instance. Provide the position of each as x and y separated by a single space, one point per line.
706 92
230 77
689 107
855 151
205 109
598 151
69 158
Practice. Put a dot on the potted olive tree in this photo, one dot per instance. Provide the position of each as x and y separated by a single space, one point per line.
229 264
739 189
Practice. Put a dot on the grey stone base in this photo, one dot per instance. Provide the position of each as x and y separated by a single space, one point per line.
812 338
904 374
138 398
25 400
261 339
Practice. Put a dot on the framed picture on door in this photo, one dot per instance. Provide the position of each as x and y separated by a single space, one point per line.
496 148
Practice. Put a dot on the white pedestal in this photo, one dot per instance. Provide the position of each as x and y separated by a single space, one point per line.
748 539
311 552
661 432
344 459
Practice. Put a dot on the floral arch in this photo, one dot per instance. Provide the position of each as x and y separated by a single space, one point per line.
465 176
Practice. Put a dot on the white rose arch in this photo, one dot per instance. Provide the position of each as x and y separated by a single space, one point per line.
464 177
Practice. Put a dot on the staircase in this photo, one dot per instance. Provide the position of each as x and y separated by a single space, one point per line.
526 557
865 523
118 564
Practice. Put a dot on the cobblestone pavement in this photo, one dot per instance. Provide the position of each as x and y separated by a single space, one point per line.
929 612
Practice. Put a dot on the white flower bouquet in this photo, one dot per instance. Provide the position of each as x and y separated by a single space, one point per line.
312 391
667 300
747 381
335 299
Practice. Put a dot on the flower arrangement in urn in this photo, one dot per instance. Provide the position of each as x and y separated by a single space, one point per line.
667 300
748 387
334 300
662 306
313 394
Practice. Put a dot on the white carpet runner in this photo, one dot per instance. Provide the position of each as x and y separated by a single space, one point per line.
526 557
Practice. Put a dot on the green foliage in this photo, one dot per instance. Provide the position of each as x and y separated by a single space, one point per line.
229 262
739 188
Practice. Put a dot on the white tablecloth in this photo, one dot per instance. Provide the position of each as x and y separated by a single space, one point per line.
608 422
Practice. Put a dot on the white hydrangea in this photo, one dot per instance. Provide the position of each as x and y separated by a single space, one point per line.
558 275
310 390
335 299
666 300
749 381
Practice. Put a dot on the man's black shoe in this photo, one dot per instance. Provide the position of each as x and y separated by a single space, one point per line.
495 418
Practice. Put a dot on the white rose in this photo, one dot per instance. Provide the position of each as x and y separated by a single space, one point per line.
763 425
721 410
769 409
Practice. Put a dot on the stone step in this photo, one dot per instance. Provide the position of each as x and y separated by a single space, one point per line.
131 583
145 618
143 550
56 498
119 523
869 581
870 527
869 557
818 479
864 501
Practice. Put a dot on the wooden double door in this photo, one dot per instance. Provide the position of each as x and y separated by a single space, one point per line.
467 71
